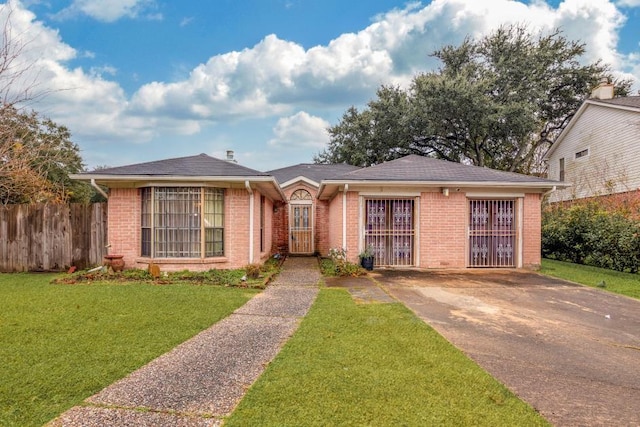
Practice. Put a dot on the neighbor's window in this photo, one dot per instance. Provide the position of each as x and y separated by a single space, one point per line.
562 169
582 153
182 222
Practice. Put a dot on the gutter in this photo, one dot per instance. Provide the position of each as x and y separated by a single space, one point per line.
251 213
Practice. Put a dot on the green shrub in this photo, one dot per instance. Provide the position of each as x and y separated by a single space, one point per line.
253 271
337 265
586 234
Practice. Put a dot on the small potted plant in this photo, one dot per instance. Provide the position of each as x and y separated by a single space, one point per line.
366 258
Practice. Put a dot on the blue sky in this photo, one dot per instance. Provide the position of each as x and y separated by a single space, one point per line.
140 80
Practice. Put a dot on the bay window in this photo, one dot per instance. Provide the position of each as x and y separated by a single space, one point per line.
182 222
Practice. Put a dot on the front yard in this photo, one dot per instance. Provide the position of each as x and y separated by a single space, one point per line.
375 364
62 343
348 364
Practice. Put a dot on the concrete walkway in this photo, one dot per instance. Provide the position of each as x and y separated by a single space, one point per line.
202 380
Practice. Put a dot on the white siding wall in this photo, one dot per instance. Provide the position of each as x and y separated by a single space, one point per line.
612 137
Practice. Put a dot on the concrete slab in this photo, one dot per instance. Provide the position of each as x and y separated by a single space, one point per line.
572 352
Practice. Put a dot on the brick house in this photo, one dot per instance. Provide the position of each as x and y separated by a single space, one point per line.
200 212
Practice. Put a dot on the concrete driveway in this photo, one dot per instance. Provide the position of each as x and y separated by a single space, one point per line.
572 352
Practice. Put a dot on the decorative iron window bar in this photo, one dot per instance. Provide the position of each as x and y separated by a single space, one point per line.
390 231
492 233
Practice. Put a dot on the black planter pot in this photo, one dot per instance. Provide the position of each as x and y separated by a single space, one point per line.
367 263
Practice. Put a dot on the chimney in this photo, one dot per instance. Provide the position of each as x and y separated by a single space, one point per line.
230 157
604 90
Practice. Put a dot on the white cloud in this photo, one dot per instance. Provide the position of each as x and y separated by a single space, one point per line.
276 77
629 3
300 130
110 10
272 76
186 21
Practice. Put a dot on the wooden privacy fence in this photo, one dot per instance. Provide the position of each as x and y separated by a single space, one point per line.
47 237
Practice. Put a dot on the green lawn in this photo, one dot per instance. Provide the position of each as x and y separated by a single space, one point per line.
375 364
59 344
621 283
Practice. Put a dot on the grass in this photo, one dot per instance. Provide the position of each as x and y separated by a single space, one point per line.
375 364
620 283
62 343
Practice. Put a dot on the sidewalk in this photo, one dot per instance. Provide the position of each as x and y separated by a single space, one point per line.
203 379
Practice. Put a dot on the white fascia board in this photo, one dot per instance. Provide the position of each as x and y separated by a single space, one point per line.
566 130
150 180
616 106
176 178
298 179
466 184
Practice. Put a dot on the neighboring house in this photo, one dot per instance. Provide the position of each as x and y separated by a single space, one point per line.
199 212
598 153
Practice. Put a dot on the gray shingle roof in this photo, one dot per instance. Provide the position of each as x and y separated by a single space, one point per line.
200 165
419 168
626 101
312 171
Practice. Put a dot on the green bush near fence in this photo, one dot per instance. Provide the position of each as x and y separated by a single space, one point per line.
588 234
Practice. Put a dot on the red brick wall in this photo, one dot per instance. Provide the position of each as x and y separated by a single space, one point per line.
335 222
532 231
353 235
124 208
322 227
443 225
280 243
236 231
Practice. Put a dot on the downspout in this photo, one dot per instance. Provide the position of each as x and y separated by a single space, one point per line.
248 187
344 216
549 192
98 189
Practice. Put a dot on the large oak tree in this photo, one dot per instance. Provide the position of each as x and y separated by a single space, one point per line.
498 101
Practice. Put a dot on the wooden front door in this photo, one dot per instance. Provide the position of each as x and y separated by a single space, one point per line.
492 233
301 229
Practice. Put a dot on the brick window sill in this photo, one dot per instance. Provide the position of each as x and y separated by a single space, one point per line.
182 261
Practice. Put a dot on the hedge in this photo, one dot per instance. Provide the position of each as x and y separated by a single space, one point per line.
588 234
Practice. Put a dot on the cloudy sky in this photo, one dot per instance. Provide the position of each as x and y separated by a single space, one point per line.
140 80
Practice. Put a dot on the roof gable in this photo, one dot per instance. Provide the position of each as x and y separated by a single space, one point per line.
312 173
627 103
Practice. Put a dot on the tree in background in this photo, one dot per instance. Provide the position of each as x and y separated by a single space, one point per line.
499 102
36 154
36 158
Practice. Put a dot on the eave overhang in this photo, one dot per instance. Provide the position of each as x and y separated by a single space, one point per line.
329 188
266 185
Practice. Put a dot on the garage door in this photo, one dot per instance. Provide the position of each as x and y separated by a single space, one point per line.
389 230
492 233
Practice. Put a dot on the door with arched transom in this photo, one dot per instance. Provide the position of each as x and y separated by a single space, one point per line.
301 223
